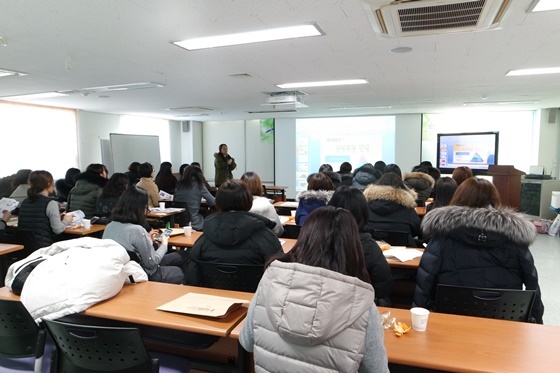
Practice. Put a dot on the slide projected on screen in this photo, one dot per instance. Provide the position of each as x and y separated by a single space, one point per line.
357 140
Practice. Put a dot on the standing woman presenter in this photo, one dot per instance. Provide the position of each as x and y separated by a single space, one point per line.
224 165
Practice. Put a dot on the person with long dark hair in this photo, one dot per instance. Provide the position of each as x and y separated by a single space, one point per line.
64 186
127 229
165 180
314 306
234 235
88 188
391 208
444 190
379 271
112 191
190 190
39 213
477 242
224 165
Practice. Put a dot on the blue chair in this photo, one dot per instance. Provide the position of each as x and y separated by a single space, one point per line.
22 341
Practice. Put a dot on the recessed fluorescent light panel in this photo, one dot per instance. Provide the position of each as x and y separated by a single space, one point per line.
538 71
34 96
251 37
544 5
328 83
4 73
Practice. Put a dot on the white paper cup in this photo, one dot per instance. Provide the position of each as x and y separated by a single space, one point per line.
162 205
419 318
293 212
188 230
86 223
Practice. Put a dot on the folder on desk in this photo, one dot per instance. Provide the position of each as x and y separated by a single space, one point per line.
203 305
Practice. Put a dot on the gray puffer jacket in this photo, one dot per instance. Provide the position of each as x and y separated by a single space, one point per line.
310 319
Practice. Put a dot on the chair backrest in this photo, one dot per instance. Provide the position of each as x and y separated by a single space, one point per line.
20 336
85 348
505 304
394 238
240 277
21 237
183 218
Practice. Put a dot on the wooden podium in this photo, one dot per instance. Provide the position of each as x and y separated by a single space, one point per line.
507 180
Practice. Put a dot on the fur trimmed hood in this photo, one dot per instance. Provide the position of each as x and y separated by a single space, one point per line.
504 220
388 193
322 195
420 176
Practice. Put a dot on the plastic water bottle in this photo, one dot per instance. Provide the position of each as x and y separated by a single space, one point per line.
554 227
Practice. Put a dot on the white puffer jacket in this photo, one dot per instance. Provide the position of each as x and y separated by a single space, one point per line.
75 275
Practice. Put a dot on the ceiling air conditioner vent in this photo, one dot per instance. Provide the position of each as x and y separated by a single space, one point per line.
427 17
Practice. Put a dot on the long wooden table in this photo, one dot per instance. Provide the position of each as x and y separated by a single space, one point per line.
6 248
81 231
472 344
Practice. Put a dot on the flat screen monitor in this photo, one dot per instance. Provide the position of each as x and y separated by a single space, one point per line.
476 150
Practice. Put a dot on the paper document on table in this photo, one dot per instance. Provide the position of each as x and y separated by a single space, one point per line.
203 305
289 204
402 253
8 204
284 219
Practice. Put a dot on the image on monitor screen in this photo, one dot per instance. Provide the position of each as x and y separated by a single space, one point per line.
476 150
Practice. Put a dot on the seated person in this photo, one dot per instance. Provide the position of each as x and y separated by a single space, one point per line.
39 213
233 235
20 184
64 186
147 183
190 190
461 174
364 176
165 180
353 200
89 186
6 215
314 312
127 228
421 182
477 242
391 208
319 191
327 169
262 205
133 173
444 191
112 191
345 172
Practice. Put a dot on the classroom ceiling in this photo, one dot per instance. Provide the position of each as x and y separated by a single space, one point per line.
69 45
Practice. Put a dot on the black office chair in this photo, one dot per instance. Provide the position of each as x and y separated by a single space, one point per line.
240 277
83 348
22 341
183 218
19 237
505 304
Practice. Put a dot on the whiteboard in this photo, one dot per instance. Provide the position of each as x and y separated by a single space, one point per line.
126 149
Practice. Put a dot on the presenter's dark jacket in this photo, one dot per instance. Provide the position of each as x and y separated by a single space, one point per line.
85 193
477 247
237 237
392 209
223 170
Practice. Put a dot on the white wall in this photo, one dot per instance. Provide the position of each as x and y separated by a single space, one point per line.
408 141
549 143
